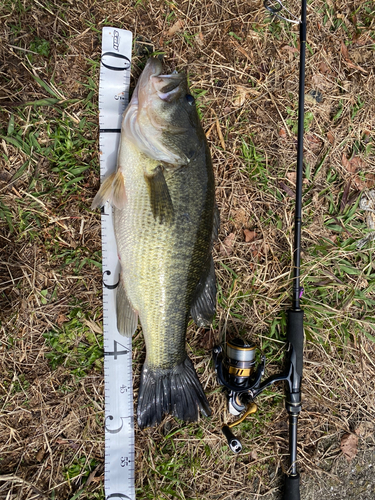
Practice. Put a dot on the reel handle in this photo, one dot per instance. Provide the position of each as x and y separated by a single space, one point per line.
291 490
234 444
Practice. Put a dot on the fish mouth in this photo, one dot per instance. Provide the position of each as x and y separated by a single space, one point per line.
151 114
166 87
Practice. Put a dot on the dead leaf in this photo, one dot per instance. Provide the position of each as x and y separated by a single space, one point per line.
320 81
355 165
282 133
350 165
292 177
344 51
287 189
259 249
330 137
199 39
313 142
226 247
357 162
324 68
40 455
240 217
288 48
365 429
241 96
349 444
249 235
61 318
207 341
367 182
366 135
333 238
176 27
243 93
345 161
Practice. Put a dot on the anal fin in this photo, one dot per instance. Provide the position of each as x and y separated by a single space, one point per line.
160 199
204 303
127 317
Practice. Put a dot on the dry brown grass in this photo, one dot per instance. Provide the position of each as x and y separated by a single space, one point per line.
245 71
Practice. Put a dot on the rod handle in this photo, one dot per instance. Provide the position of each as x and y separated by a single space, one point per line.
291 489
294 335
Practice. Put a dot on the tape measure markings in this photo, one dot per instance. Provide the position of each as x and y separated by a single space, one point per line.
119 413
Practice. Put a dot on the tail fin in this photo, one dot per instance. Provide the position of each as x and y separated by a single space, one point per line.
176 391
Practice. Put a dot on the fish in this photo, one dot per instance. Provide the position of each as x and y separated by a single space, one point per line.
165 222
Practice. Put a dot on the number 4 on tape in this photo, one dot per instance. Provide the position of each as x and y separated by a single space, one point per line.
115 352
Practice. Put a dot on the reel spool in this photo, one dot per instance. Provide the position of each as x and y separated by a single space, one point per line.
238 368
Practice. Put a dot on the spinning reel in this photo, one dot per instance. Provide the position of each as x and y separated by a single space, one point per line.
236 370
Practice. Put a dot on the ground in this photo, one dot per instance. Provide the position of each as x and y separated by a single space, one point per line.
243 71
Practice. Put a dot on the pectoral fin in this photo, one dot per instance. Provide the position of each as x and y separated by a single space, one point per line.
204 303
160 199
127 318
112 190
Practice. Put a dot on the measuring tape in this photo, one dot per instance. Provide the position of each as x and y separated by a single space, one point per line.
119 413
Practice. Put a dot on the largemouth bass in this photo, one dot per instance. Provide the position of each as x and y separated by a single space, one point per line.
165 221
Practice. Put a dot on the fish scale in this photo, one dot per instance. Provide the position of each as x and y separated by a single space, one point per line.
159 262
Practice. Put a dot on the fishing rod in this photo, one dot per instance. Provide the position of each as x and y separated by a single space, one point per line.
235 364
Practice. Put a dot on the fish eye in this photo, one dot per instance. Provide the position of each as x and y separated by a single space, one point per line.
190 99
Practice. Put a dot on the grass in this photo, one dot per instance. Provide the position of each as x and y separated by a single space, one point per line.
243 72
74 345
